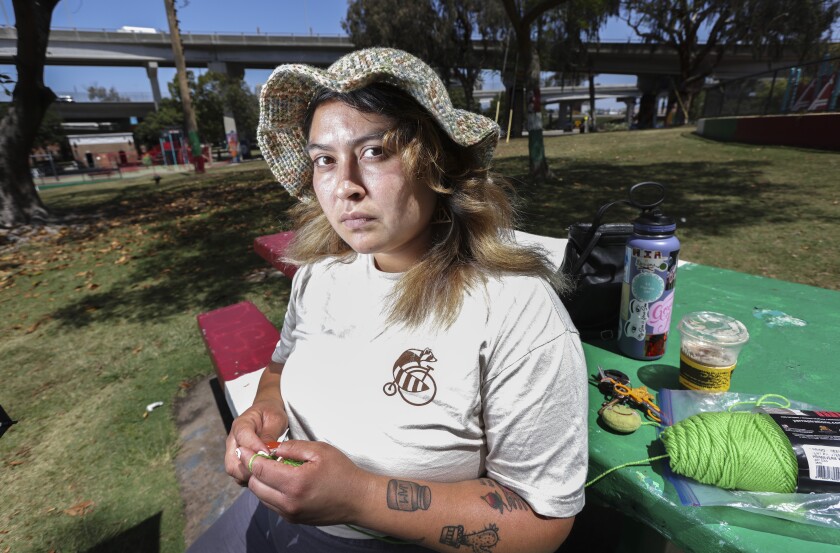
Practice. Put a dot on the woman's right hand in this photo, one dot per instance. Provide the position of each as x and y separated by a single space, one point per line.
264 421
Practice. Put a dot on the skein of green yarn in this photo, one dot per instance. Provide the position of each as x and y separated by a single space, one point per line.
735 451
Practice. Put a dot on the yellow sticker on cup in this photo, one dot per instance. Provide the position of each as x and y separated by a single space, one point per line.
696 376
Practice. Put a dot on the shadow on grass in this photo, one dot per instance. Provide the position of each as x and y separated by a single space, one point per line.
207 224
142 538
711 199
206 229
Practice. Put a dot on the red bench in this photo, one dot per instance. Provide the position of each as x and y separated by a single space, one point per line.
239 338
272 247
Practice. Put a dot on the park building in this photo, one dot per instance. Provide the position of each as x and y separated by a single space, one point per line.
104 150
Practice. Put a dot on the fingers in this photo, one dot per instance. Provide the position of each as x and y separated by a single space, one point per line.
233 464
260 466
245 432
263 421
297 450
242 435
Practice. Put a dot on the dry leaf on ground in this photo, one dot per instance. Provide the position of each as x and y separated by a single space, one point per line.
79 509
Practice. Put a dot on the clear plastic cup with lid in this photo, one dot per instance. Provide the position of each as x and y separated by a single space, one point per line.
709 347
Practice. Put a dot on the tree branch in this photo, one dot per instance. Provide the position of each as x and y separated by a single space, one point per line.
531 15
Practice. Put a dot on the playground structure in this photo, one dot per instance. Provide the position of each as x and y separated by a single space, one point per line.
793 106
806 88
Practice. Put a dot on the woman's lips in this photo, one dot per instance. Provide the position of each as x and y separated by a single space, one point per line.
355 220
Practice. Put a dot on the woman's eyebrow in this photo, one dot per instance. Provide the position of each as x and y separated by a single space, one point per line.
378 135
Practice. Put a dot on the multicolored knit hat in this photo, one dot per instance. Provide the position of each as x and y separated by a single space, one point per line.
285 98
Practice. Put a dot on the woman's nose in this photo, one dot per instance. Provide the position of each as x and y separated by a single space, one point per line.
349 186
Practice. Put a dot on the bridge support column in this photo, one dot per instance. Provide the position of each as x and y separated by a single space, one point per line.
630 102
151 71
235 71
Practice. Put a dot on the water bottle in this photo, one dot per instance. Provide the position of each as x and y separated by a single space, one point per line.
647 292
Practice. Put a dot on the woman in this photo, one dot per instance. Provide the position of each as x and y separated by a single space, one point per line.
433 384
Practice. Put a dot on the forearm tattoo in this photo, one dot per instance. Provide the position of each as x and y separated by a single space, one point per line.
408 496
501 498
482 541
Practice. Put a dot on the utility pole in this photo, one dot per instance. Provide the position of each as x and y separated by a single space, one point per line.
186 99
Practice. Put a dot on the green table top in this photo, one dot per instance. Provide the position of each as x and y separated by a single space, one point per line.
799 362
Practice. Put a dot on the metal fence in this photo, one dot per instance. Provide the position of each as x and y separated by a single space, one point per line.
807 88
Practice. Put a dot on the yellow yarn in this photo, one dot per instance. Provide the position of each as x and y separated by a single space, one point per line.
743 451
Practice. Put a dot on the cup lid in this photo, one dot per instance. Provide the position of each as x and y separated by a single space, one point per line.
715 328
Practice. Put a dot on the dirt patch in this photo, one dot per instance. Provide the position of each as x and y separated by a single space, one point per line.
206 489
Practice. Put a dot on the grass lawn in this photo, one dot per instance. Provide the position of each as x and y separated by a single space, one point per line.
98 315
762 210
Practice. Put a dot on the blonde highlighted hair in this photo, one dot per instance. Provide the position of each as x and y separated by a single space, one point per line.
472 235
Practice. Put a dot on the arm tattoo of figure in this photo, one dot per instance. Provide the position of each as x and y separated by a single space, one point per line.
408 496
501 498
482 541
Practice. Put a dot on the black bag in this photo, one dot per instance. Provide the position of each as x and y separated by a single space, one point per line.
594 261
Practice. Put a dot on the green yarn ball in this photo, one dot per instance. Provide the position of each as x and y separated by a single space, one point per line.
734 451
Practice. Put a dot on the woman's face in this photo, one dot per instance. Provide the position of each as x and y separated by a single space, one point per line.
365 195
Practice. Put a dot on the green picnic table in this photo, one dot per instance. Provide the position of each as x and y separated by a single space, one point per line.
784 356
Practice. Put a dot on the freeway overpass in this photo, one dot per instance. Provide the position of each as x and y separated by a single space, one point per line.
266 51
233 53
557 94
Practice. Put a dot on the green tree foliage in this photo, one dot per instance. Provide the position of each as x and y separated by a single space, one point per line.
102 94
169 115
564 36
566 32
455 37
211 92
460 38
531 21
703 31
386 23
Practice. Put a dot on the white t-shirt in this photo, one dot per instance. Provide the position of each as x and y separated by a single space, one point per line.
502 393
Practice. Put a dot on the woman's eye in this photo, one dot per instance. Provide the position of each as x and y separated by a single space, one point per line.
322 161
372 151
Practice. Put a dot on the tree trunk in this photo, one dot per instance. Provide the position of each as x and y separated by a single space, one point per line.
538 167
528 66
592 122
515 88
183 87
20 203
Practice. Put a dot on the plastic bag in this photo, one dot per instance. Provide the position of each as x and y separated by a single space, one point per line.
821 509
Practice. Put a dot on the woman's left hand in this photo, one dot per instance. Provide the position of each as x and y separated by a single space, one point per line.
328 488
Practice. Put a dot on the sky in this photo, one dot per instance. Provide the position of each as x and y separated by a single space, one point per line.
239 16
318 17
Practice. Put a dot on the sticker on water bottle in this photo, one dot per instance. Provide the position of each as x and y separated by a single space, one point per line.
647 287
660 315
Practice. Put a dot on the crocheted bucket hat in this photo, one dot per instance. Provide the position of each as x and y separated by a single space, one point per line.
286 95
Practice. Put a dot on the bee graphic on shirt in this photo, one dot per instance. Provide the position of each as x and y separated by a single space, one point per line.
411 377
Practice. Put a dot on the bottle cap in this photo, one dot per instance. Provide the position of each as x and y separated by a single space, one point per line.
654 222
